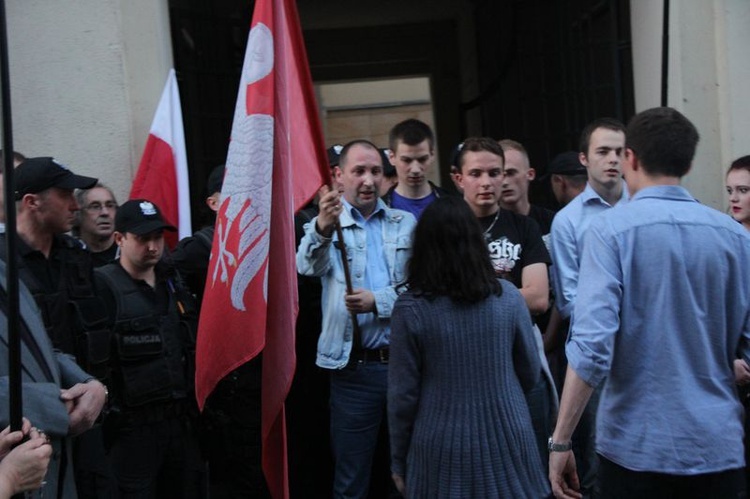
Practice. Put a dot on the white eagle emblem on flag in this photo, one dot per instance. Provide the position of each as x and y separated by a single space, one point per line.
246 192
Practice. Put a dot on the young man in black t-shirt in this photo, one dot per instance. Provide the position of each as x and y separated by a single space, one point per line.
515 242
514 196
518 254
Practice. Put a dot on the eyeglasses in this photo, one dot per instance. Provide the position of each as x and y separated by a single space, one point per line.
98 207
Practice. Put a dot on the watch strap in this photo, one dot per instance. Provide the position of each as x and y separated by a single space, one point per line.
553 446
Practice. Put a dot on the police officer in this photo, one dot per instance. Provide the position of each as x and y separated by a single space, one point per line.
59 274
151 424
231 418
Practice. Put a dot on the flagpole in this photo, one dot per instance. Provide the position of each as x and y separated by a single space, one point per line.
356 332
11 276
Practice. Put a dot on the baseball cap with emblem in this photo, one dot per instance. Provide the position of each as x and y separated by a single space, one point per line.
334 154
39 174
139 217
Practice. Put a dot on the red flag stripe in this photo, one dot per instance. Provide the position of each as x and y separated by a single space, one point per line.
162 175
156 182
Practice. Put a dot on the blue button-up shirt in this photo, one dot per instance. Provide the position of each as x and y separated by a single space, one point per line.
566 242
662 310
372 247
375 333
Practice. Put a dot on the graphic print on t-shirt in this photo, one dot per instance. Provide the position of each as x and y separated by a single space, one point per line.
504 255
514 242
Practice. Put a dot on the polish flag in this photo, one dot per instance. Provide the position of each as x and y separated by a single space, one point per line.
162 175
275 165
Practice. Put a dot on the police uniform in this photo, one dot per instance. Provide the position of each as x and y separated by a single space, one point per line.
151 425
62 286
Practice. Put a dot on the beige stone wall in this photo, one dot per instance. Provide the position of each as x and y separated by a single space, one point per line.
708 74
86 76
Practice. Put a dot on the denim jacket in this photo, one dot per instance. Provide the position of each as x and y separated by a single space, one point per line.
317 256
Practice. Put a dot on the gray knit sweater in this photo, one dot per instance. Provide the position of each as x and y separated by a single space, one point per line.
459 423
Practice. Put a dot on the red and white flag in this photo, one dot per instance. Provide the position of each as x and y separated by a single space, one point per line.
162 175
275 165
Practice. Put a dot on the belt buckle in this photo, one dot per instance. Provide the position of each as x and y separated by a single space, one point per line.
383 354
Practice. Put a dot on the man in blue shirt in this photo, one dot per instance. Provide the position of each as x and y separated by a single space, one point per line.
378 244
601 147
661 311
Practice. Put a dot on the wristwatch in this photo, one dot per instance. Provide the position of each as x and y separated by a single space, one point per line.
553 446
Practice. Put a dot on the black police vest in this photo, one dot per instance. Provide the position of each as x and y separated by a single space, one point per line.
152 354
73 314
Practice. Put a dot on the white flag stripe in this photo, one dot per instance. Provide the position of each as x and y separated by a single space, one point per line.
167 126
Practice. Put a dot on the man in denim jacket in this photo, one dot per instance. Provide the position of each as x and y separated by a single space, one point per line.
378 244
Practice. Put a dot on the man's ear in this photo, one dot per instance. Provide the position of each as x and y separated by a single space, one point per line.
212 201
583 159
459 178
30 201
631 160
531 174
337 172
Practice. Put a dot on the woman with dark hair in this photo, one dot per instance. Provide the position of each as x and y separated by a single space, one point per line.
738 188
462 355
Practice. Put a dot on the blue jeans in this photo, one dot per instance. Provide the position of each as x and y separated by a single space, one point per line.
358 402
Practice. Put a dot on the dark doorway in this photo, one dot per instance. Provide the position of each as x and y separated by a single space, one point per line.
533 70
547 68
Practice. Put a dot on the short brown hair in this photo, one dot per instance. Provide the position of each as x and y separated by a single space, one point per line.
479 144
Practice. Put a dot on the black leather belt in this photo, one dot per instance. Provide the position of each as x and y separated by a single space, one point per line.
364 355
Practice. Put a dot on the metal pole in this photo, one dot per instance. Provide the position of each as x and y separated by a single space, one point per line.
356 331
11 276
665 56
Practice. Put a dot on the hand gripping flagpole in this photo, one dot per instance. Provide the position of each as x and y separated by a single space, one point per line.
356 331
11 276
341 246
